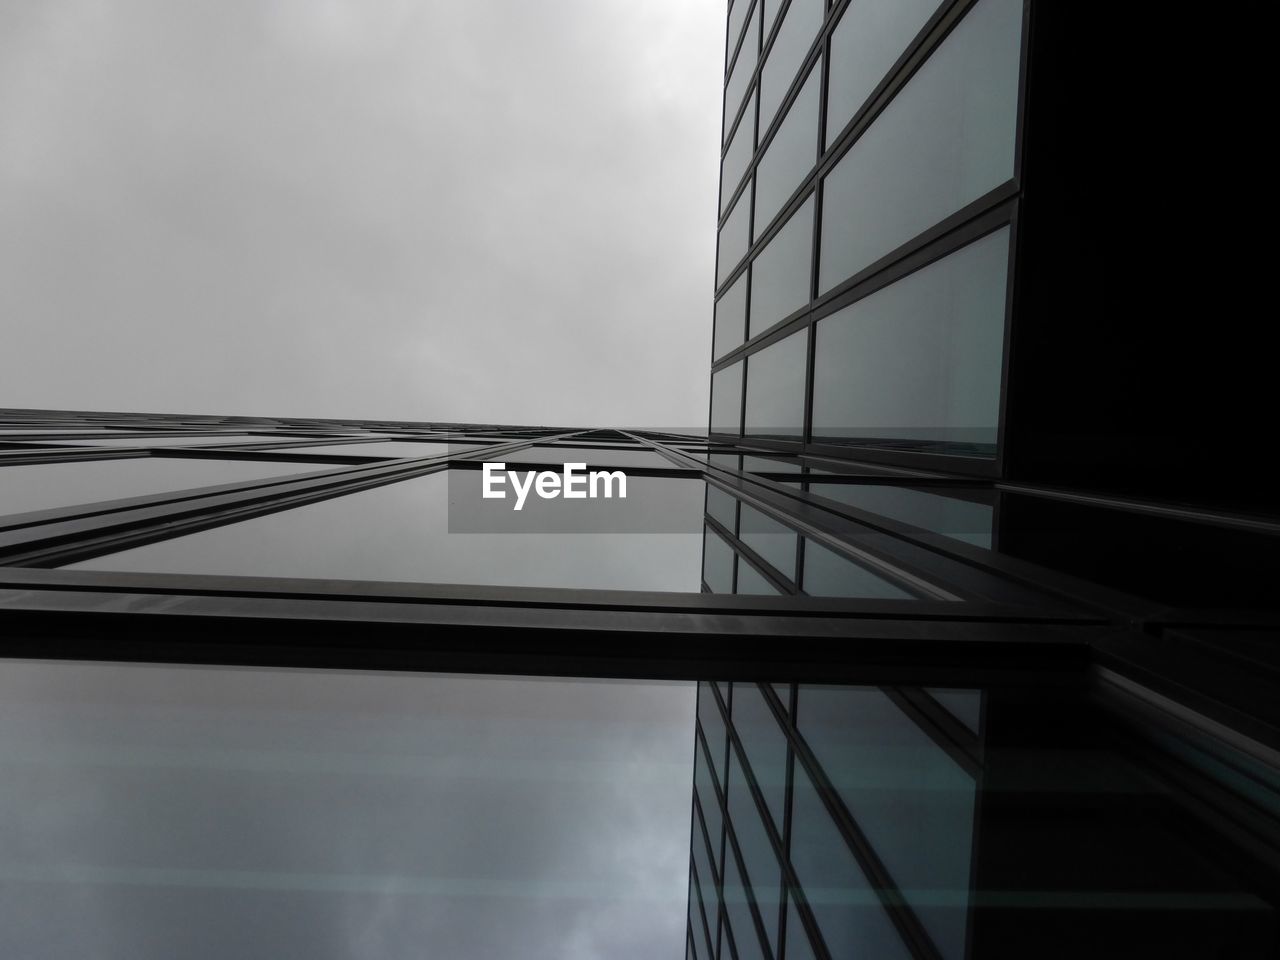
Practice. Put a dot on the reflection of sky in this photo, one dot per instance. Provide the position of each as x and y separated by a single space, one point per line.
219 812
400 532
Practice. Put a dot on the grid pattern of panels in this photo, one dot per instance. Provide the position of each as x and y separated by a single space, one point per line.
869 191
813 838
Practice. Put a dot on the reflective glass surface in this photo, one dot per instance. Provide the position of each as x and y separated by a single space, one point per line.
599 456
734 238
740 76
827 574
390 448
723 507
44 486
726 400
780 274
195 440
919 359
795 37
731 318
753 583
161 812
867 41
400 532
775 388
946 139
790 154
759 859
765 744
717 562
774 541
741 147
966 520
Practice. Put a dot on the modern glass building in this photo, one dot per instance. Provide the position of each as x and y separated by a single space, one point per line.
985 645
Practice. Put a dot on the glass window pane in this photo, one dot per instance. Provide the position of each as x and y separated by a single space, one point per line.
964 705
596 457
738 913
726 400
795 37
847 910
798 945
775 388
764 875
731 317
400 532
723 507
738 156
195 440
913 802
734 239
717 562
960 519
920 359
742 70
713 729
765 744
774 541
790 154
737 16
827 574
751 583
45 486
946 139
781 273
392 448
866 42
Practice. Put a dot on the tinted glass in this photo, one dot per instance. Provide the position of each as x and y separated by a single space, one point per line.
798 946
866 42
964 705
752 583
847 910
734 238
795 37
827 574
774 541
723 507
761 863
159 812
912 801
400 532
961 519
595 457
734 165
713 730
390 448
737 17
790 154
740 76
946 139
921 358
775 388
780 274
45 486
738 913
717 562
726 400
730 317
196 440
765 744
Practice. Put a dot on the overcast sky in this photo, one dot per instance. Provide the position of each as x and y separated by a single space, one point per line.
405 209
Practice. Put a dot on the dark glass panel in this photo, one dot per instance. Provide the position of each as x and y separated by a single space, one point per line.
400 532
730 319
735 238
781 274
758 857
390 448
46 486
798 945
752 583
741 148
723 507
738 913
827 574
848 911
775 388
713 730
765 744
596 457
964 705
726 400
961 519
867 41
912 801
717 562
790 154
740 76
946 139
774 541
920 359
795 37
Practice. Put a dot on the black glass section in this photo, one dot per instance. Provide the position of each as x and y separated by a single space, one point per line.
968 520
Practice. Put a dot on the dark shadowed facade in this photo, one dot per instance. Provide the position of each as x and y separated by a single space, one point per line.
986 653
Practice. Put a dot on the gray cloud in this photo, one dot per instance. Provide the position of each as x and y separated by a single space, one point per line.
404 208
